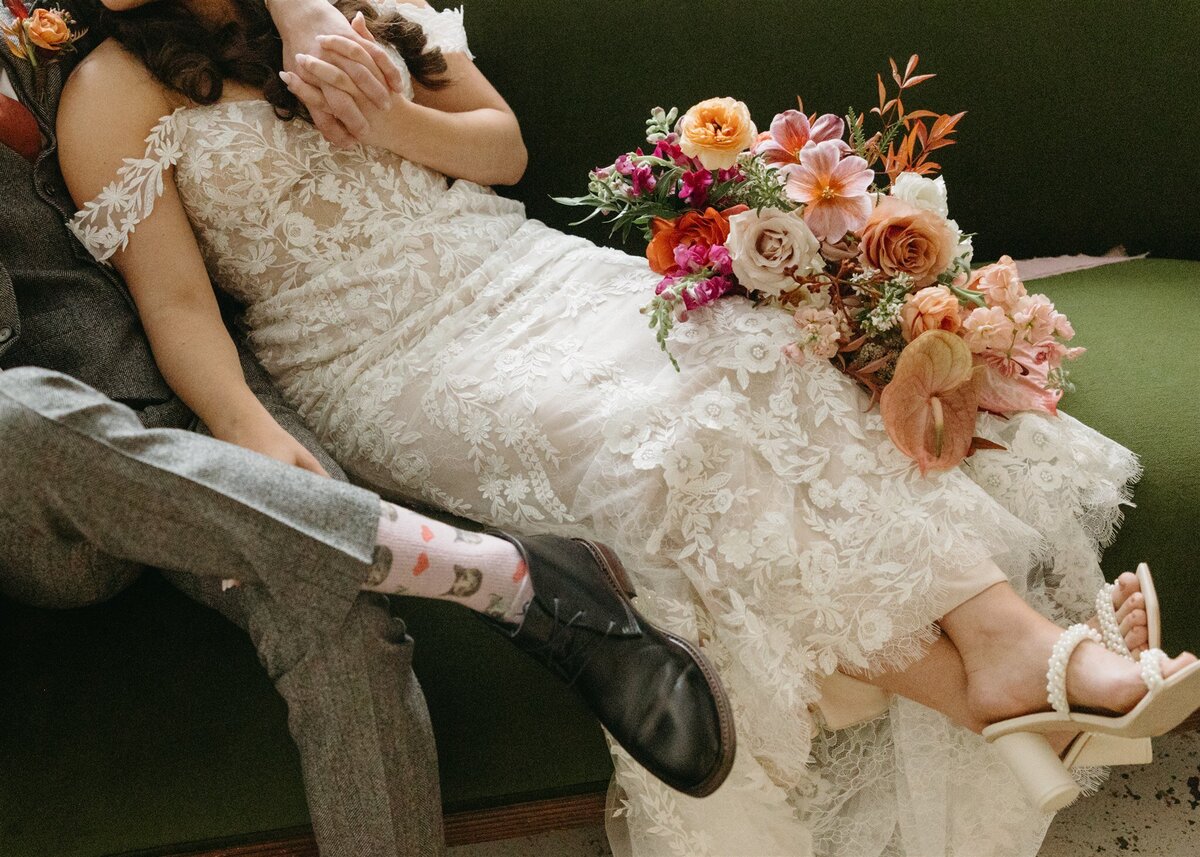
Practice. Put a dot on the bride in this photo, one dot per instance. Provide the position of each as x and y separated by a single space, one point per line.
442 345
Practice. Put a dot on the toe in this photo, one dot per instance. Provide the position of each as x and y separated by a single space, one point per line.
1175 664
1126 585
1137 640
1136 601
1133 619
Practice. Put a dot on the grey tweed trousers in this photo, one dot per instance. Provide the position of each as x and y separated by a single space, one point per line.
89 497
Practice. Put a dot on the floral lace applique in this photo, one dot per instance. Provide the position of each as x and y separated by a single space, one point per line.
104 225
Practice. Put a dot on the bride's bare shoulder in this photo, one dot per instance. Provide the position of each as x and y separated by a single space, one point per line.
108 106
110 76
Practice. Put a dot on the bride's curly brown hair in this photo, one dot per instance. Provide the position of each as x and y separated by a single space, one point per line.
195 58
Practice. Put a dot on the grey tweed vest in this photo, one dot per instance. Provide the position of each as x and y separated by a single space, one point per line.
59 309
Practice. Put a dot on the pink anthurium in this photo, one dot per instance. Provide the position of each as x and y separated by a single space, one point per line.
930 406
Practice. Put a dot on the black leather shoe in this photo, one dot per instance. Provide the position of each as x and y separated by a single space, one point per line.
654 692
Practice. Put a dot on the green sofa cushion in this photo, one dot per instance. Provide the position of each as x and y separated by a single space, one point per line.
1139 384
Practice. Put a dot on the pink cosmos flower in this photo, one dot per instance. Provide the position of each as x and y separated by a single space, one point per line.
791 131
832 188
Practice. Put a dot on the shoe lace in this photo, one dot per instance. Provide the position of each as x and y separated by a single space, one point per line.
566 652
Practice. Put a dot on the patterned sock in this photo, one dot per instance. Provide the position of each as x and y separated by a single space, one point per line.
419 556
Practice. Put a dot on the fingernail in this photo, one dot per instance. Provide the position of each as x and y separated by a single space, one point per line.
285 77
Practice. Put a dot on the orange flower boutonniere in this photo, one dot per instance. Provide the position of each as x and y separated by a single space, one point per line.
40 32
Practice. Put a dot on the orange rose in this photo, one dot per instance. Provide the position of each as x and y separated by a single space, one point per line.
47 29
902 239
716 131
932 308
693 227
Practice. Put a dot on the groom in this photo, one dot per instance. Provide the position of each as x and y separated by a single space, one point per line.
97 482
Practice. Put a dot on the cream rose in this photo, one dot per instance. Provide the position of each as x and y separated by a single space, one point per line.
934 308
902 239
766 245
920 192
716 131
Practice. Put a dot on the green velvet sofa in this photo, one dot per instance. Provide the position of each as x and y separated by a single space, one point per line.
145 725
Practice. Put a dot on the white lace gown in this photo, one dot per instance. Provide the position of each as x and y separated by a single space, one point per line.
444 346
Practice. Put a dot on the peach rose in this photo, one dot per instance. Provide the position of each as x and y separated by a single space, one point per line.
932 308
902 239
692 227
716 131
1000 283
47 29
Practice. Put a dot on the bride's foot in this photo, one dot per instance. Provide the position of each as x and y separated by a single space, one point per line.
1005 646
1130 607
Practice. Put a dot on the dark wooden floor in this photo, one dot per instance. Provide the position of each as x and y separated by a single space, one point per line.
463 828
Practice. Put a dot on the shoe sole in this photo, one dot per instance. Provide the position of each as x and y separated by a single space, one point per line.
1150 605
622 585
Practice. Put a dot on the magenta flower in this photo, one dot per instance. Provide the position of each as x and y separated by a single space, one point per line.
705 292
694 258
832 189
643 180
791 132
669 150
693 187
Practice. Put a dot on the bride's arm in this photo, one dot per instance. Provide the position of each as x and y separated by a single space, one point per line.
162 264
465 130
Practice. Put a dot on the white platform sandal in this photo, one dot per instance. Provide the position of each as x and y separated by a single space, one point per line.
1043 773
1090 749
1107 616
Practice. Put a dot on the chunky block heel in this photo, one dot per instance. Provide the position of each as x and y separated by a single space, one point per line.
1095 750
1038 769
1102 739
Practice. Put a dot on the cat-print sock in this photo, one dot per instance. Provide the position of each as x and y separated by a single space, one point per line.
419 556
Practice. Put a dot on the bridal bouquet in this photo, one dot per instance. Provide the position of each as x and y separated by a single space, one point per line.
848 230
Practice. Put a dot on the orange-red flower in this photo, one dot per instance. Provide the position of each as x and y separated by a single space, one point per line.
692 227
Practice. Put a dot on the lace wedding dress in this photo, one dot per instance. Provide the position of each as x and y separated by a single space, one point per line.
444 346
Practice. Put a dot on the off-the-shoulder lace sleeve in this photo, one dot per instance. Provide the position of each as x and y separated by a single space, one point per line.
104 225
442 29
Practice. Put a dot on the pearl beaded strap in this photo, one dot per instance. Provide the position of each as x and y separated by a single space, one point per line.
1108 621
1056 670
1152 665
